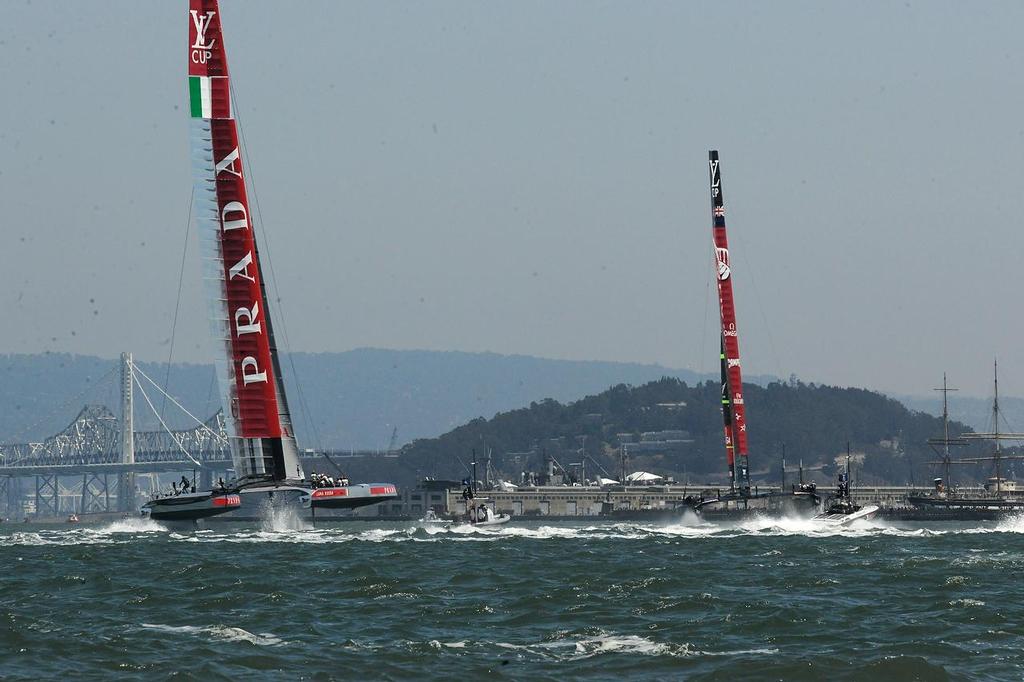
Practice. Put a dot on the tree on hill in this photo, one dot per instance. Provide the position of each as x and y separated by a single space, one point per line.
814 423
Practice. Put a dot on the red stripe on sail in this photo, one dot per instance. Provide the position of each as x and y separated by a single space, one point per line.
220 98
254 377
256 409
727 309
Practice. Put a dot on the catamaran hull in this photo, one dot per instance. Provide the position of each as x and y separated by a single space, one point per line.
191 506
299 495
352 496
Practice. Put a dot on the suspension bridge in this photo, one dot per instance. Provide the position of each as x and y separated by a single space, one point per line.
99 461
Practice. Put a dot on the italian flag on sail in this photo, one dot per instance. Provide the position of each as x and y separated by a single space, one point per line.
209 97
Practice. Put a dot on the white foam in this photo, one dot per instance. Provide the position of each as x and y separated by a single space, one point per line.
1011 524
282 518
582 647
132 524
220 632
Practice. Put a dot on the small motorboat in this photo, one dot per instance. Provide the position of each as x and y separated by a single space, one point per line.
843 511
73 518
479 514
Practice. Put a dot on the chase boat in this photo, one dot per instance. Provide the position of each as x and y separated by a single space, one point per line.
843 511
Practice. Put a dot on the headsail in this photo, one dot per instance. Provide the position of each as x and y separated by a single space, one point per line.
248 373
733 411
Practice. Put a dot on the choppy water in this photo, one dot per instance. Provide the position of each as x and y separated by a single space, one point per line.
766 599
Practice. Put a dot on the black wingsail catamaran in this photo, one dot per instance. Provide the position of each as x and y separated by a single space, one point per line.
734 416
263 447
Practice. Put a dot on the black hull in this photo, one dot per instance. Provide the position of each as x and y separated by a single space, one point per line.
722 509
190 506
956 509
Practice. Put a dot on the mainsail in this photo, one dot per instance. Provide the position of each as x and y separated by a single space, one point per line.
248 372
733 412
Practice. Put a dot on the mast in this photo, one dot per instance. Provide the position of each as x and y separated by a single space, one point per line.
995 419
248 371
733 410
995 435
945 430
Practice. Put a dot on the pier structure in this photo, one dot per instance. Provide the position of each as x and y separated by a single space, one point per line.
581 501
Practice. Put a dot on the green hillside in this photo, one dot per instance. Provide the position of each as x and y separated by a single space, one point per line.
813 422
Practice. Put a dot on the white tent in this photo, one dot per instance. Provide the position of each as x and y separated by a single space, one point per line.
607 481
643 477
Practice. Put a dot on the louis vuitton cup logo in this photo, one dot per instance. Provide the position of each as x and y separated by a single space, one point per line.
722 257
716 180
201 50
202 24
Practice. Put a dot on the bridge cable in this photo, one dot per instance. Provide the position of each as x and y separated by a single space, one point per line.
163 424
202 424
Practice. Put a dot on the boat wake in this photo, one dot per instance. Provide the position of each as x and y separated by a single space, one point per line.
219 632
134 524
571 646
287 526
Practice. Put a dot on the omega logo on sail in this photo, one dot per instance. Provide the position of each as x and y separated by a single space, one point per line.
234 216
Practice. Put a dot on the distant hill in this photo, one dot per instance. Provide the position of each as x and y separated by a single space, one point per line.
975 412
347 400
814 422
445 404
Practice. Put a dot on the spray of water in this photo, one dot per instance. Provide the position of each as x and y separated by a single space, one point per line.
282 517
132 524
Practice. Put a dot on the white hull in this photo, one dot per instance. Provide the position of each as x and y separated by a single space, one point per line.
846 519
336 497
495 520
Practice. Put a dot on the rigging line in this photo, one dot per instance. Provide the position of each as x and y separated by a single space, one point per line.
704 329
169 432
764 318
177 302
166 395
53 412
209 391
273 278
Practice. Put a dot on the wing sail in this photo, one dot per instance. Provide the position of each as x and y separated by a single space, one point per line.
248 373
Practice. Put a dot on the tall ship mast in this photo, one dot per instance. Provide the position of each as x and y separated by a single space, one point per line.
999 496
733 409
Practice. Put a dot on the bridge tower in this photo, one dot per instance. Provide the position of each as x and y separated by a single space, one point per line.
126 480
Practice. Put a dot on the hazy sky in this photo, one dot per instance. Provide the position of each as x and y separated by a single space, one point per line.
532 178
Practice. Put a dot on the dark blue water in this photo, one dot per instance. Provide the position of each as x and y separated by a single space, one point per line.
768 599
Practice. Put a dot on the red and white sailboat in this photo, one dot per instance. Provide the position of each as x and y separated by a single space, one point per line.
259 424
